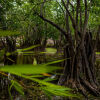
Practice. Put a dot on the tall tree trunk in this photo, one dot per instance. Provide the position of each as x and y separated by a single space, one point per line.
79 68
81 73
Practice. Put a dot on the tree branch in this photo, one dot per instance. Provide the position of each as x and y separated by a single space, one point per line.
72 19
61 7
53 24
85 21
42 6
86 17
77 12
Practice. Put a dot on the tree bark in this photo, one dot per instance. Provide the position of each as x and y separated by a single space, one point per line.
79 66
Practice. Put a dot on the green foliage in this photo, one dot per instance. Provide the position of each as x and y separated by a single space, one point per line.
19 15
51 50
28 69
34 61
30 72
97 52
24 50
94 19
17 86
4 33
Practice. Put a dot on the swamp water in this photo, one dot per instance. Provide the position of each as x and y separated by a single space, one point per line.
25 58
31 58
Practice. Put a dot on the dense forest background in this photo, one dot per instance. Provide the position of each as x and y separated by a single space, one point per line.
50 49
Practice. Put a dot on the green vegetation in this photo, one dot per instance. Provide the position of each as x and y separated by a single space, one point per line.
33 72
49 49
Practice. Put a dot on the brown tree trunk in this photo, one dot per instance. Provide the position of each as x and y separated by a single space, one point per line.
79 68
81 73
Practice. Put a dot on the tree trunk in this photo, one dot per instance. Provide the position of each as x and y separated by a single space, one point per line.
79 68
10 47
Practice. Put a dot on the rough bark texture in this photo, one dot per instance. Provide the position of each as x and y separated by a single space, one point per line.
81 72
79 66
